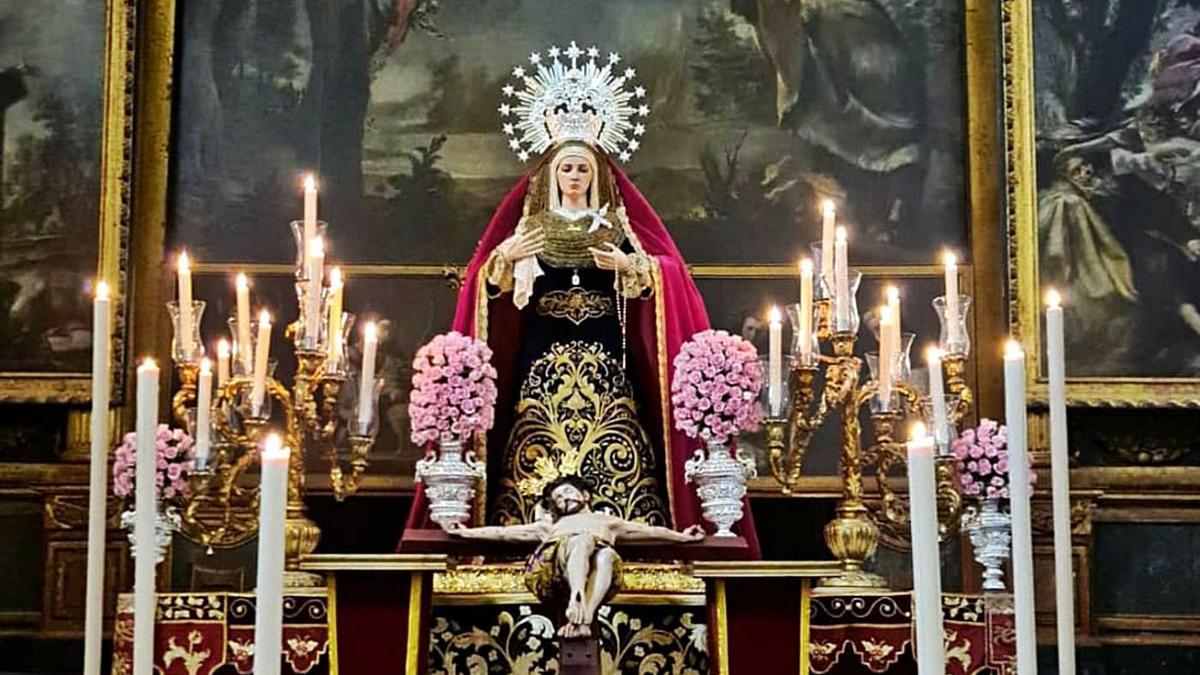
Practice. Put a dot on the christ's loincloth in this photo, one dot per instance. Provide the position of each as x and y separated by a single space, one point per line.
546 570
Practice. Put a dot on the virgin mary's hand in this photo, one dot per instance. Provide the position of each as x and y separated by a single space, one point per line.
610 258
522 245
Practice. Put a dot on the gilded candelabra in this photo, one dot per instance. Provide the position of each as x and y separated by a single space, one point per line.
311 417
854 534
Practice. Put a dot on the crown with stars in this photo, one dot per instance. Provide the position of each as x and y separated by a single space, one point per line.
571 95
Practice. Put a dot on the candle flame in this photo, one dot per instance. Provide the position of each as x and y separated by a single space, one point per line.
1012 349
893 294
840 234
310 183
949 259
933 353
222 348
243 283
205 365
806 267
317 247
264 317
273 448
335 277
774 316
370 332
828 207
148 362
184 265
102 290
917 431
1053 299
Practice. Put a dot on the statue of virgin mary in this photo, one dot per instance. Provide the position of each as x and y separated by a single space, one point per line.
585 300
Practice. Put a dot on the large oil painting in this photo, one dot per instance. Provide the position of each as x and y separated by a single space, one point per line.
759 110
53 181
1115 162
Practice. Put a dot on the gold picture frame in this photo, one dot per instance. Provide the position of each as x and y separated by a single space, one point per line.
1021 222
116 155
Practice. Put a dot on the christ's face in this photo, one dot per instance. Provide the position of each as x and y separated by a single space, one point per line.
568 500
574 176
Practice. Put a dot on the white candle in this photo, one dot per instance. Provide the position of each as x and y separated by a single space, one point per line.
775 364
828 223
272 505
310 213
262 353
951 262
841 291
335 317
312 313
203 413
886 357
806 310
185 305
1018 490
145 504
926 559
222 361
937 396
893 302
245 347
97 480
366 384
1060 478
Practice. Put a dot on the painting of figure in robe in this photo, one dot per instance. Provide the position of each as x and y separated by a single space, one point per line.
1118 174
760 109
51 110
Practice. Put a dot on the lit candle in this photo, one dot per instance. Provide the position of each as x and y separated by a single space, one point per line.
222 361
841 272
185 305
806 310
926 560
893 302
828 223
262 352
272 505
97 479
937 396
145 506
312 313
335 317
366 384
775 364
1060 479
951 262
310 211
886 357
203 413
245 347
1018 492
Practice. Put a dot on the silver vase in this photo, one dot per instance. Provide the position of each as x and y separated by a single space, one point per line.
166 523
720 480
450 477
990 529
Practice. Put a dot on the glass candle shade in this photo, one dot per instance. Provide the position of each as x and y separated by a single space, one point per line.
844 311
954 337
303 336
341 364
945 435
809 358
364 421
302 246
191 349
821 289
785 394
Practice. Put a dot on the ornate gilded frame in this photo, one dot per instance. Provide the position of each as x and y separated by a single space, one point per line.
113 223
1016 26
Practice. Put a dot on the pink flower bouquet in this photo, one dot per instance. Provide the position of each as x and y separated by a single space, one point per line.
982 458
175 459
715 389
454 390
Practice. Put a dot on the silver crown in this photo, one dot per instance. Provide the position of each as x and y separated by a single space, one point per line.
573 99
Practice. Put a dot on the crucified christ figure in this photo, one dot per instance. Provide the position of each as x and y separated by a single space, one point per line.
575 559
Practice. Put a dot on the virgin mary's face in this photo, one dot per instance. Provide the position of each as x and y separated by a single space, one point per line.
574 176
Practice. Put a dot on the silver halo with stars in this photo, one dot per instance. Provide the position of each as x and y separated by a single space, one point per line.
572 95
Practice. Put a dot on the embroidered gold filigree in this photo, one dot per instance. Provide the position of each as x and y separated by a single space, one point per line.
189 657
577 416
576 305
568 241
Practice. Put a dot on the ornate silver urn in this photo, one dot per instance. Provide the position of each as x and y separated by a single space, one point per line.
166 522
990 529
450 477
720 480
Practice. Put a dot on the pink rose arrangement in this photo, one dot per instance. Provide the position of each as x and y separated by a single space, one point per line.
174 460
982 458
715 389
454 390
